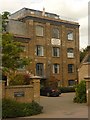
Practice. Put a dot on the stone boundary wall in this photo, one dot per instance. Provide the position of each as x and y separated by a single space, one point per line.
87 79
22 93
83 71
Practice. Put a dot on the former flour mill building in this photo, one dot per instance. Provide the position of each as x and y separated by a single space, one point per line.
50 42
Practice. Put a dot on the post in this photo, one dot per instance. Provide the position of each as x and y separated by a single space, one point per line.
87 79
36 88
2 84
0 99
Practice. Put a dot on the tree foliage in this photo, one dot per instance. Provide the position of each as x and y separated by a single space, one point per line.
80 92
83 52
20 79
11 51
5 16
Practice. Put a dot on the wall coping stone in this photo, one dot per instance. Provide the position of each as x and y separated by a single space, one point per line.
35 77
86 63
20 86
87 77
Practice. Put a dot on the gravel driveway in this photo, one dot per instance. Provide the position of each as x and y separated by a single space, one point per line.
62 107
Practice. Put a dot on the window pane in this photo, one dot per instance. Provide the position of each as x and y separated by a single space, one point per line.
56 51
70 53
39 30
71 82
55 33
70 35
70 68
56 68
39 50
39 69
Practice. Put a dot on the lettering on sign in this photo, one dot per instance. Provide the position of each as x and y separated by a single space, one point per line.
55 41
70 55
18 94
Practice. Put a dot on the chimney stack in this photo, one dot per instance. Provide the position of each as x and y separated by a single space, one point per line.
43 12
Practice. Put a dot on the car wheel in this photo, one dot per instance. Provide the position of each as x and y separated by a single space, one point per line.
48 94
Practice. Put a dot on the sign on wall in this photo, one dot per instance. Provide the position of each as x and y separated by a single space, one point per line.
18 94
55 41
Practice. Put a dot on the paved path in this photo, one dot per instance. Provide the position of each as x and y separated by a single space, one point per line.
62 107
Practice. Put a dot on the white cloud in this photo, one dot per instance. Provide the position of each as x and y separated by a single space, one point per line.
14 5
76 9
83 32
84 42
71 8
84 26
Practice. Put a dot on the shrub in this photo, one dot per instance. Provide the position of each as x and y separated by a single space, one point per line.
11 109
20 79
67 89
80 96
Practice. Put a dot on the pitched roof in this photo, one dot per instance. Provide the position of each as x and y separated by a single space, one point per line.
86 59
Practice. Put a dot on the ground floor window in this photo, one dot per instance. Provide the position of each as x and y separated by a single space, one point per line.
71 82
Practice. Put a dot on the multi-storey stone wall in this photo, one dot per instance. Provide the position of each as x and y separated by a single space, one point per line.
30 21
45 40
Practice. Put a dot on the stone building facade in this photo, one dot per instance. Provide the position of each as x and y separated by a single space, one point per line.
84 68
50 42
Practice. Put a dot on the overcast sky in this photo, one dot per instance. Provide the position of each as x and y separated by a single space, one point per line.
76 10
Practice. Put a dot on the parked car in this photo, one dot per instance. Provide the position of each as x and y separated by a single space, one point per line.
48 91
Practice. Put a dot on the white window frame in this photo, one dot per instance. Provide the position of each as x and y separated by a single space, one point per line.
70 53
57 67
39 50
56 52
70 35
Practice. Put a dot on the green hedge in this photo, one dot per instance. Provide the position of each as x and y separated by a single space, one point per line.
12 109
66 89
80 96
